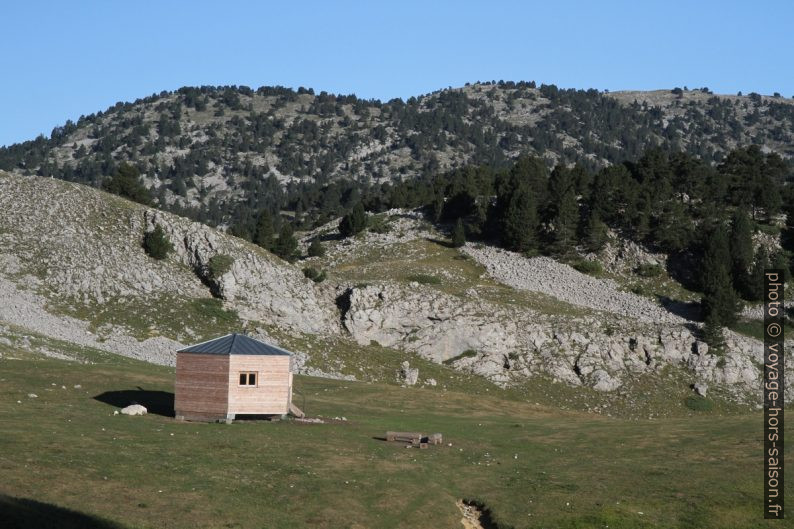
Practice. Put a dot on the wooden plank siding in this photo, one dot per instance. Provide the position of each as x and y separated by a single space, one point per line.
273 389
201 388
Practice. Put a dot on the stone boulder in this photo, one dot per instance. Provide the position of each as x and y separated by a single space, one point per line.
409 375
134 409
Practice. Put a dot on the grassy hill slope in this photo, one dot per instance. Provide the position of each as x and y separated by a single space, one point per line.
533 466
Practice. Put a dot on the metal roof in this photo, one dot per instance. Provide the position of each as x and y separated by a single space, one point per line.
235 344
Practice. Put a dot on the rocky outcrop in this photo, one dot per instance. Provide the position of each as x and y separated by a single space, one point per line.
87 250
408 375
259 285
598 351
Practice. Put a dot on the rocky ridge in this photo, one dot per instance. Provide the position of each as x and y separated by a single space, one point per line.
199 144
510 345
87 248
610 337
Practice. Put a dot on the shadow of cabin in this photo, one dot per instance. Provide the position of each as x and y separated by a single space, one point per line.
23 513
156 402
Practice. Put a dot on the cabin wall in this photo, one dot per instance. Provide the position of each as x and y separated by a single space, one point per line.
273 389
201 390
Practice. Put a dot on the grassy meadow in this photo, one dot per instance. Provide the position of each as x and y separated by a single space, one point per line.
68 461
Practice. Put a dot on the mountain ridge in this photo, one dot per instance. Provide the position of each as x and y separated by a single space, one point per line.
210 148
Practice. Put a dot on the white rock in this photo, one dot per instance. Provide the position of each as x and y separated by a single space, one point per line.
134 409
408 374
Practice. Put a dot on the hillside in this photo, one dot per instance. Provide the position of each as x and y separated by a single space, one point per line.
205 150
524 364
74 272
69 462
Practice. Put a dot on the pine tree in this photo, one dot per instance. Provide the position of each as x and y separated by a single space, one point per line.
712 332
126 182
642 220
563 209
316 249
286 246
755 291
458 235
594 234
263 234
672 230
741 251
781 261
437 207
520 220
354 222
720 301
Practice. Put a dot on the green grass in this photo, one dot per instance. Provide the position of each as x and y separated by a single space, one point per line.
698 403
452 272
755 328
219 264
592 268
425 279
533 466
179 318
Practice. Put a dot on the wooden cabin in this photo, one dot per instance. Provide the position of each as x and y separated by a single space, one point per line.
230 376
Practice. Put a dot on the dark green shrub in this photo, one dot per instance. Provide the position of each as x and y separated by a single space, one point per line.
126 182
379 224
698 403
156 244
354 222
286 246
318 276
649 270
316 249
219 264
425 279
588 267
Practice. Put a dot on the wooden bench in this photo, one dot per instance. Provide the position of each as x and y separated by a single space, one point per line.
405 437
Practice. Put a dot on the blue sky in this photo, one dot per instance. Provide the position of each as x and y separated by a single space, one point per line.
60 60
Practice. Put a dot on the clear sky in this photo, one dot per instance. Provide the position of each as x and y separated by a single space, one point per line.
63 59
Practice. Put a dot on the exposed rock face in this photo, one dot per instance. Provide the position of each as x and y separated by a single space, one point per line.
259 285
513 345
87 248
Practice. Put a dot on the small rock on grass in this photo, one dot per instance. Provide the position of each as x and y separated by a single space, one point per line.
134 409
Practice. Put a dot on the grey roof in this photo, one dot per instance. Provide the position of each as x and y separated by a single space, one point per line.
235 344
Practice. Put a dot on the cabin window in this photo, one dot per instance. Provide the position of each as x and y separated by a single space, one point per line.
248 379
